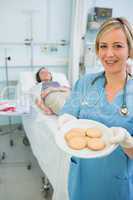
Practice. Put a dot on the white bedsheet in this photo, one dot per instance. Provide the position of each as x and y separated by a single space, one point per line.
41 130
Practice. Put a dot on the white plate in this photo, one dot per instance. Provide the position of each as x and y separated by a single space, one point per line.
85 153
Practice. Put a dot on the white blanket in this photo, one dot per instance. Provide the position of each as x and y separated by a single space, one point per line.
41 130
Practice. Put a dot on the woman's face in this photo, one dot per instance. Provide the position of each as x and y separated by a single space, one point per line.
113 51
45 75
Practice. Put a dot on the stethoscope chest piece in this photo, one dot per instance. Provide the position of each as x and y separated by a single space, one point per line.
124 110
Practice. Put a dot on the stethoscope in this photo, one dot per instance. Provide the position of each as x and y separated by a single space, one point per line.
123 108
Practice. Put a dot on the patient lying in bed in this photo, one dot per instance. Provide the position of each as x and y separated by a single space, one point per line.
53 95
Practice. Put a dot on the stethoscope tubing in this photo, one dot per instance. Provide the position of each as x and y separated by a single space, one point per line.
123 108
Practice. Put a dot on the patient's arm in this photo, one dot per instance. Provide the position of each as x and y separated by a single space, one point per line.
48 91
40 104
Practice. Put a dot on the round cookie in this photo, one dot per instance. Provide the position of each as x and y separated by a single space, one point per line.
96 144
93 133
80 130
87 139
77 143
74 132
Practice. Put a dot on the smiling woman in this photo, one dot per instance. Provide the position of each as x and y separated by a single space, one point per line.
108 177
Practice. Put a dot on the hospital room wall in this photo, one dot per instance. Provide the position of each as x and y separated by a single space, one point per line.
120 8
47 23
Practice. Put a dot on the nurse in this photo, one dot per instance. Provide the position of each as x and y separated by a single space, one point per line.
106 97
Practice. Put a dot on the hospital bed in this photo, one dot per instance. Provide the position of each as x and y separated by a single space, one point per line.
41 130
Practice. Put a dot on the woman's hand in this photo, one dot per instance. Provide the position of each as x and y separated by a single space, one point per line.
44 94
48 91
121 137
44 108
48 111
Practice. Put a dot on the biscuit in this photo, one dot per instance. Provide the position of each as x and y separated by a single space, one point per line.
87 138
96 144
80 130
74 132
77 143
93 133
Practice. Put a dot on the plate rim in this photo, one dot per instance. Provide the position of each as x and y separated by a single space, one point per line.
75 152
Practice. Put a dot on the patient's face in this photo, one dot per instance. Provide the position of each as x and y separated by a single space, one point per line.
45 75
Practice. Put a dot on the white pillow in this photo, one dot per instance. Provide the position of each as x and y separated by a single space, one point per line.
61 78
27 80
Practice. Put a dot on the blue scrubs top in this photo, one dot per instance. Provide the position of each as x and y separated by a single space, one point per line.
110 177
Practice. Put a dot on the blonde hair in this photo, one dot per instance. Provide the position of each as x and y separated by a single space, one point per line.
116 23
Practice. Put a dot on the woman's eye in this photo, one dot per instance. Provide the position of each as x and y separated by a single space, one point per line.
102 46
117 46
